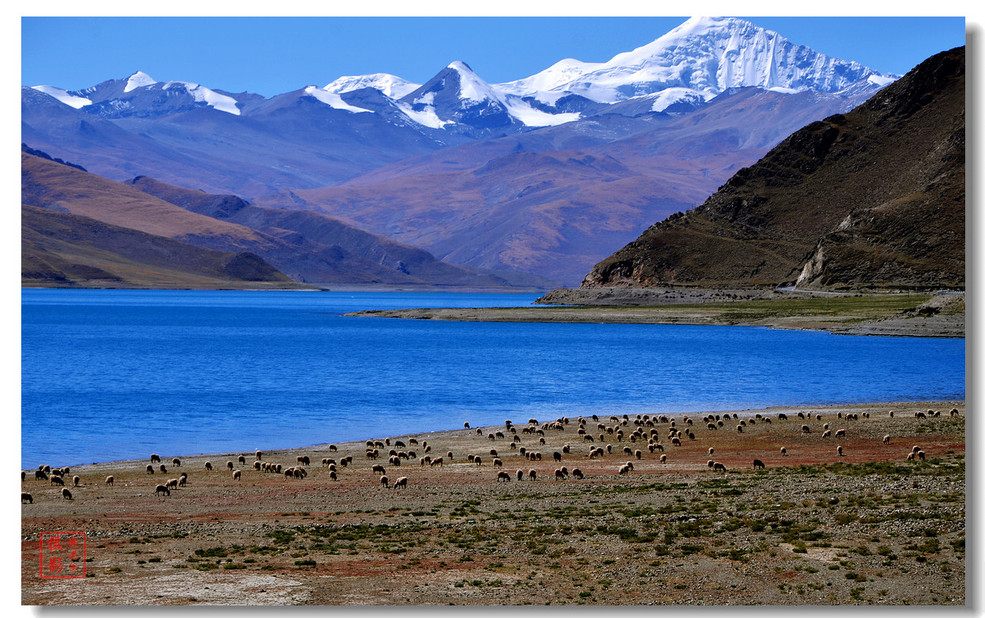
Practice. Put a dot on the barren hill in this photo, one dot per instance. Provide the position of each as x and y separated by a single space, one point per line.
871 198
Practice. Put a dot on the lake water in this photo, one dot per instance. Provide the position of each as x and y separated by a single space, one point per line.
113 374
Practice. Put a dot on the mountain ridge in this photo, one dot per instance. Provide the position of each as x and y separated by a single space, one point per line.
873 198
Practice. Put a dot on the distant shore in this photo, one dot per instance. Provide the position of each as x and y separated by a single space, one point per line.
920 314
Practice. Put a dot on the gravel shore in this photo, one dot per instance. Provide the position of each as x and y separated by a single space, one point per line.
813 527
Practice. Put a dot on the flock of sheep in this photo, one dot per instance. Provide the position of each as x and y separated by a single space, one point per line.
630 436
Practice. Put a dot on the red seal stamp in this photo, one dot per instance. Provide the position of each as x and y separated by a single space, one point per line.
63 555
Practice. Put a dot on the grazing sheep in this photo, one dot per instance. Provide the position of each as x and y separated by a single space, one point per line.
164 469
333 448
711 463
826 434
27 496
911 456
885 439
332 475
150 469
663 459
519 475
110 479
738 428
176 462
840 433
208 465
241 459
237 475
39 475
577 473
437 461
75 480
155 458
401 482
557 455
256 464
304 460
954 412
385 481
497 463
675 441
720 466
711 450
783 451
839 451
230 465
756 463
921 455
66 493
162 489
380 469
533 475
477 460
805 429
57 480
502 476
915 448
638 454
182 480
172 483
623 469
559 475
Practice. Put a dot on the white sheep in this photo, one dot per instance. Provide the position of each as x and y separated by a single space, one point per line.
400 482
110 479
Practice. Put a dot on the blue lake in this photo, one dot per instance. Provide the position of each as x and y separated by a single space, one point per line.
113 374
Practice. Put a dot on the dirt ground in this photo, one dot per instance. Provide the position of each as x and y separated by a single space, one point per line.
814 527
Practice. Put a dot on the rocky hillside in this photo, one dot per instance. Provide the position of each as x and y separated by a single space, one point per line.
871 198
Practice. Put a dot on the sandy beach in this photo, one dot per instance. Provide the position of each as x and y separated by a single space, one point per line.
814 526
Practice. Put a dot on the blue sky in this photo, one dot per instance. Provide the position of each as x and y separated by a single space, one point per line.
273 55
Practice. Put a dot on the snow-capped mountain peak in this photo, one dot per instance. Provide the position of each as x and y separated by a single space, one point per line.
390 85
702 57
471 87
333 100
138 80
64 96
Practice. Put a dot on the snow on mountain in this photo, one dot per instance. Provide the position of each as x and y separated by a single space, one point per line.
683 69
138 80
221 102
471 87
333 100
390 85
548 85
705 56
64 96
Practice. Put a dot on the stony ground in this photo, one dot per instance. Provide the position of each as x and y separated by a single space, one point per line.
814 527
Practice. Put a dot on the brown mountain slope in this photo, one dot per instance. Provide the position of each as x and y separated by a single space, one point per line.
53 186
64 250
312 232
873 197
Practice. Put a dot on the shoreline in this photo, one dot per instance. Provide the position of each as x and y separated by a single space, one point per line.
891 315
792 409
867 525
